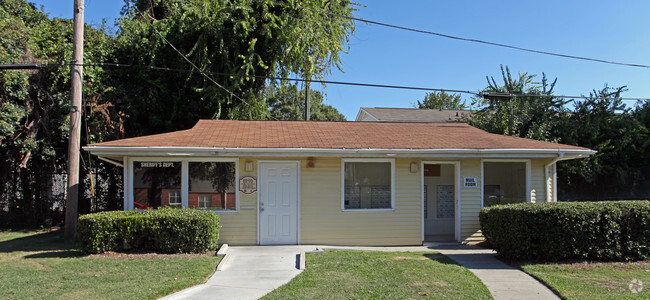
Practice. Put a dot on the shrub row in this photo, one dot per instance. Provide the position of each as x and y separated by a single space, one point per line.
618 230
165 230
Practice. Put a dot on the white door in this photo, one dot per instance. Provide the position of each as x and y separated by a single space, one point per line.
278 203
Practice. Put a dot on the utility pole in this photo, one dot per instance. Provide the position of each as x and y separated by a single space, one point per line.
307 102
72 200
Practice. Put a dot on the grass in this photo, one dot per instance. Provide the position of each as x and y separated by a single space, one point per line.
38 265
591 280
381 275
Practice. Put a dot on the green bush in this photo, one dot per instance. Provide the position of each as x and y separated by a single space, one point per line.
618 230
165 230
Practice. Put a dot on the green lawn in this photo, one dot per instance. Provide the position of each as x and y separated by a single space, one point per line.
381 275
38 265
594 280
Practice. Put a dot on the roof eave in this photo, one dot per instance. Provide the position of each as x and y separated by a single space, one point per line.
117 152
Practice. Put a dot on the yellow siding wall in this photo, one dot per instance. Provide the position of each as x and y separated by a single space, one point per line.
240 228
471 198
538 180
323 221
470 202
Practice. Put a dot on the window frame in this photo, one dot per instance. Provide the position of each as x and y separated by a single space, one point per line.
185 180
180 198
204 197
368 160
131 178
200 160
529 185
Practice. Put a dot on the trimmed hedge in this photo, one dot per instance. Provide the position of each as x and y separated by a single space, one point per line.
165 230
618 230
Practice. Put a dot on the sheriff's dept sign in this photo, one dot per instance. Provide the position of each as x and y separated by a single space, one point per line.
156 164
248 184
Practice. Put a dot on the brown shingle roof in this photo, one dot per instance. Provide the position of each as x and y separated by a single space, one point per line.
333 135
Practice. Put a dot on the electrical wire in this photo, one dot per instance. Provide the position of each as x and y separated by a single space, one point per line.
477 94
203 73
469 39
282 78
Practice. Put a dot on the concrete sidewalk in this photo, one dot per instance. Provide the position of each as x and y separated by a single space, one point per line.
253 271
248 273
502 280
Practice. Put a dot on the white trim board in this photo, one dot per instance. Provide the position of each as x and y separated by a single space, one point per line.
117 152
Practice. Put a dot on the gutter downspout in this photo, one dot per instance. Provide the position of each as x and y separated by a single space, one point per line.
110 161
547 170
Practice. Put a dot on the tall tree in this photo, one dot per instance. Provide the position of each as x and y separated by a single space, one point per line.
34 106
239 39
642 114
286 102
603 123
442 100
532 117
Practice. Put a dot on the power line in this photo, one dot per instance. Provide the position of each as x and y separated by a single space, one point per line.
469 39
23 66
507 96
478 94
284 78
204 74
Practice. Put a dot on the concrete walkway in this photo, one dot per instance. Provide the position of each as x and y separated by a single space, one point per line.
247 273
502 280
252 272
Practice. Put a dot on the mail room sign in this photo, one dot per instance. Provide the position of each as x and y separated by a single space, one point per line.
470 182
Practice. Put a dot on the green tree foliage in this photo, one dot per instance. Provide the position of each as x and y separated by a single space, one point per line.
642 114
35 104
442 100
241 37
603 123
528 117
286 102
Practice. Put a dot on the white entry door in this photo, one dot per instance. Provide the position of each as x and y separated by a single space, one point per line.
278 203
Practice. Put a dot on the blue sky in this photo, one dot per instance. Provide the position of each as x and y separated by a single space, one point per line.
609 30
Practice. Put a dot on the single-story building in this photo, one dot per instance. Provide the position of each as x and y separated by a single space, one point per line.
336 183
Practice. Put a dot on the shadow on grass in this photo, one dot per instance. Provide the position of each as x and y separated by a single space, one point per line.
56 254
440 258
50 244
